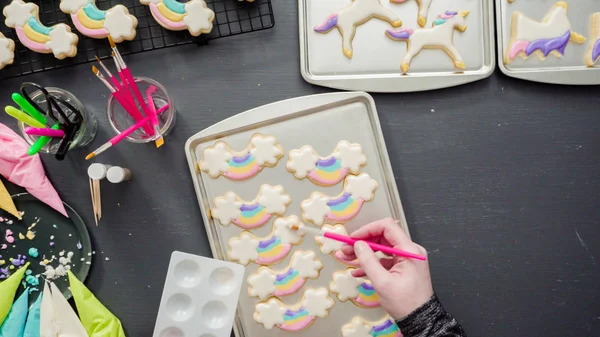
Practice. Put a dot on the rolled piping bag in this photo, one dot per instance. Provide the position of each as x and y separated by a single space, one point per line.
14 324
57 317
6 202
97 320
8 290
32 326
25 170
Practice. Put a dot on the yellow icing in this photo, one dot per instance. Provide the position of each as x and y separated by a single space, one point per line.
35 36
167 13
87 22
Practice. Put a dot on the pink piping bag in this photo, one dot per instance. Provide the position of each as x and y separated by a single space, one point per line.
25 170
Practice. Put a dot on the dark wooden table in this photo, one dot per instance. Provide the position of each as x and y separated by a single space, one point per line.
500 180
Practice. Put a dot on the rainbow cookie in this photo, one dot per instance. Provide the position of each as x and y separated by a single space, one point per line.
440 36
423 10
326 171
355 289
249 215
357 190
359 327
91 21
269 250
593 54
266 282
219 159
7 51
24 18
355 14
328 246
315 303
551 36
193 15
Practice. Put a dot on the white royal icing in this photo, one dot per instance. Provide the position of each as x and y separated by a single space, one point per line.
215 159
307 264
555 23
262 283
243 248
273 199
345 285
120 24
302 161
72 6
62 42
361 186
315 208
266 149
227 208
351 156
199 18
283 229
270 313
317 302
17 13
328 246
7 51
356 328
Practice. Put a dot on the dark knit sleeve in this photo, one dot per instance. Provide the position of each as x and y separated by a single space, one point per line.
430 320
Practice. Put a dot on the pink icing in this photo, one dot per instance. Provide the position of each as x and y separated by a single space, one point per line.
331 217
95 33
316 178
256 225
360 301
36 46
518 46
286 249
167 22
255 169
291 290
354 263
298 326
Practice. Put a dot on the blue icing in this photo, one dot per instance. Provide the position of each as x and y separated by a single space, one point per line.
175 6
38 27
342 206
330 168
94 12
14 324
249 214
32 327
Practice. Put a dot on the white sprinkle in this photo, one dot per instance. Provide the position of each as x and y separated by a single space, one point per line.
88 262
106 258
51 237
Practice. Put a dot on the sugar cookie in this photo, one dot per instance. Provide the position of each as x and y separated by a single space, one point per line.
272 249
357 190
329 246
219 159
326 171
266 282
249 215
354 15
551 36
315 303
440 36
358 290
359 327
193 15
423 10
24 18
593 54
91 21
7 51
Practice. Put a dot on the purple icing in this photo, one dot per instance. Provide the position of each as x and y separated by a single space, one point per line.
266 243
329 23
451 13
326 162
367 286
240 160
286 274
403 34
383 326
339 200
548 45
245 208
596 51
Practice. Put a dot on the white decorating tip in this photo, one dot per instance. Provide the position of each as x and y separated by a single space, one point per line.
97 171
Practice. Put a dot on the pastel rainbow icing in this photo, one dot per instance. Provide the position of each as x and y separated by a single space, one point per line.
169 12
89 20
386 329
367 297
288 282
328 172
252 216
242 167
296 319
546 46
272 250
343 208
34 35
596 51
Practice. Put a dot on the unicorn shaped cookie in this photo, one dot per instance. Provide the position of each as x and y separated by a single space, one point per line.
593 54
423 10
551 36
354 15
193 15
115 22
440 36
7 51
24 18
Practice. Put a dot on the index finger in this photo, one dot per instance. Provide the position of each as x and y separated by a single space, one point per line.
388 228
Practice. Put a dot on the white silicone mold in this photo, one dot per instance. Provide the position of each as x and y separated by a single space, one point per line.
199 298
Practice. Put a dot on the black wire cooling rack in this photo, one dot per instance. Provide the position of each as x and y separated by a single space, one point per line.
232 17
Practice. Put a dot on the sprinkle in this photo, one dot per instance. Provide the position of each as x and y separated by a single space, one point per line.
32 280
8 232
106 259
89 254
45 261
33 252
70 234
62 253
10 222
94 252
4 246
51 244
28 272
9 239
54 226
79 245
1 219
21 236
83 259
2 262
88 262
51 237
30 235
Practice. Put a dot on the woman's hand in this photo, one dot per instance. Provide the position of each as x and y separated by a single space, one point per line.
403 285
